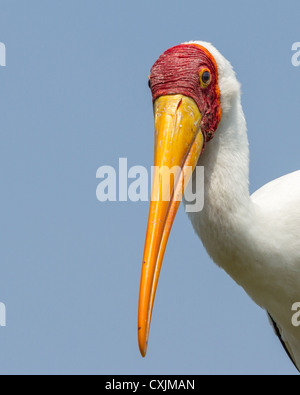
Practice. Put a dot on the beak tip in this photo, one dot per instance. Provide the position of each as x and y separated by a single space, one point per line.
143 346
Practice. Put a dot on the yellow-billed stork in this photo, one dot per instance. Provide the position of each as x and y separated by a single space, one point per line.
199 121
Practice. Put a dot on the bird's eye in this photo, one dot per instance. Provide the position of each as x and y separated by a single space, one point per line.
149 82
205 77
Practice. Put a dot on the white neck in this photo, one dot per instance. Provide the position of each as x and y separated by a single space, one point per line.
223 223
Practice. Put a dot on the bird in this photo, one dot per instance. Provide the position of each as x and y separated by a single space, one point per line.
199 122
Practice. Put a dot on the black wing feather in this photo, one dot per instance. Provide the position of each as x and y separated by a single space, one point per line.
277 331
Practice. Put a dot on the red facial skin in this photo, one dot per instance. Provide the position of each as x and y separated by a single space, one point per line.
178 71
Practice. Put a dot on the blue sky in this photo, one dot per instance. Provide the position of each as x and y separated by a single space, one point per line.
74 97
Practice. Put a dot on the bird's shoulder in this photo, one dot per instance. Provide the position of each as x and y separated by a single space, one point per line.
283 193
277 208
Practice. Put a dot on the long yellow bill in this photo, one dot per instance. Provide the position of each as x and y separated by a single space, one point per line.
178 145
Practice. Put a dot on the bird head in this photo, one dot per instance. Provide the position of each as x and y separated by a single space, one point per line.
187 84
189 70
